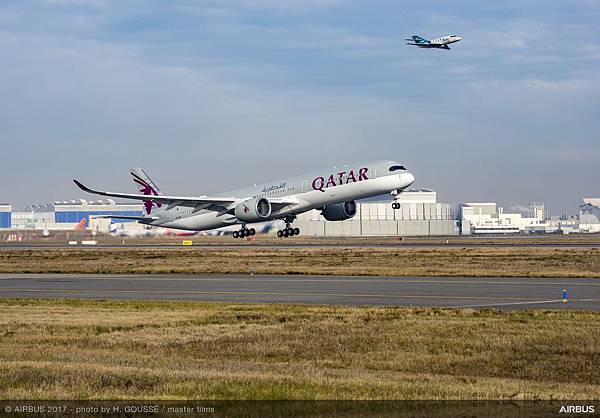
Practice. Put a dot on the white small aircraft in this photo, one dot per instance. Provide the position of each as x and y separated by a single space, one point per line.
439 43
332 191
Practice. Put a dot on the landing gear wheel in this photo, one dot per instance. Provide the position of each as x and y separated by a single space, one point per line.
286 233
280 234
296 231
395 205
243 233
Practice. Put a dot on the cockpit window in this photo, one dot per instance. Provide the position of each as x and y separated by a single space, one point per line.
397 167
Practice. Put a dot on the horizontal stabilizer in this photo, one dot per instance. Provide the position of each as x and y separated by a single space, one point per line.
131 218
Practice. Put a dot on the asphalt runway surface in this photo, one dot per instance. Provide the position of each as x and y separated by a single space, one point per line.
456 292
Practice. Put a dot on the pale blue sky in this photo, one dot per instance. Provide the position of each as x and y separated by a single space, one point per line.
214 95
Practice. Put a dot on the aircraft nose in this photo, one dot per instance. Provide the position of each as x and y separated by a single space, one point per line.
408 178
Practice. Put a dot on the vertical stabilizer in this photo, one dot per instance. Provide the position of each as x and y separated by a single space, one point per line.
146 186
420 40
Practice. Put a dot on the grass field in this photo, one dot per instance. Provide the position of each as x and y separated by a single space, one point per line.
62 237
113 350
395 261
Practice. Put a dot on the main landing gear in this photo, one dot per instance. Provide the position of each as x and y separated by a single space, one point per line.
244 233
288 231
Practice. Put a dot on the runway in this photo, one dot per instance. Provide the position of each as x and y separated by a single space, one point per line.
464 292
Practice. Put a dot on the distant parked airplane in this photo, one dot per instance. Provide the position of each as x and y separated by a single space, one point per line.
79 227
331 191
439 43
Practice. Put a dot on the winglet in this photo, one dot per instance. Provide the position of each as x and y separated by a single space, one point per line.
81 186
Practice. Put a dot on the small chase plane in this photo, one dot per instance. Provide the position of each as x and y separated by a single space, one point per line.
439 43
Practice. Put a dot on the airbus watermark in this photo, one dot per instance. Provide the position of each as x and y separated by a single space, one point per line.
577 409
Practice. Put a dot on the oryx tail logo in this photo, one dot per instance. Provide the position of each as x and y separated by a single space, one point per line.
146 186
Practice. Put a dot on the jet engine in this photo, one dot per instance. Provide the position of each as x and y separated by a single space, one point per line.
253 210
339 211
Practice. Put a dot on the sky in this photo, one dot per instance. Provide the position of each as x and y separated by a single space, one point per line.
210 96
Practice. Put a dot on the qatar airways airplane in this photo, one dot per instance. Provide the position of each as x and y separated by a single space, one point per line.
333 192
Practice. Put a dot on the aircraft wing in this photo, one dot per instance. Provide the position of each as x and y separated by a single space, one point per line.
218 204
167 200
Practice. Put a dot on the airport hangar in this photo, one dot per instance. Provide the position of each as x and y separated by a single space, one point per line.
419 215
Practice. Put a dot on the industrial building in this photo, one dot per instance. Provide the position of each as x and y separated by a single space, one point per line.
419 215
589 215
489 218
5 216
67 214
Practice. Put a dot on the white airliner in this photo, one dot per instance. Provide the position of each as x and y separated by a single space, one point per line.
333 192
439 43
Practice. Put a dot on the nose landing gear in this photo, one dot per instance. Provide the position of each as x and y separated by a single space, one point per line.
395 204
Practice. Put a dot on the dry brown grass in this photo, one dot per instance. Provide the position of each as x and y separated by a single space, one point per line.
172 350
522 262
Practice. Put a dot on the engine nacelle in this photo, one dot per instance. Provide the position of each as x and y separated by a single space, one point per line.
339 211
253 210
